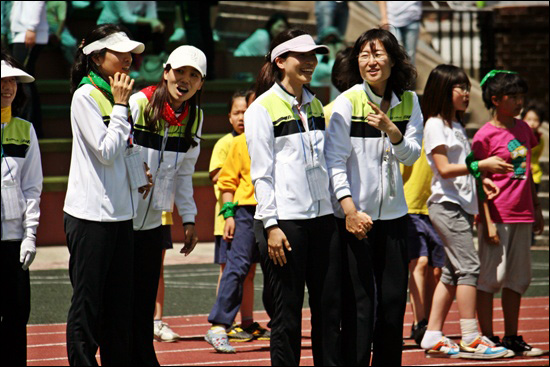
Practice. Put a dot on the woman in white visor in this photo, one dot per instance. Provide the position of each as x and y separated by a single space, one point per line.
21 189
295 226
102 199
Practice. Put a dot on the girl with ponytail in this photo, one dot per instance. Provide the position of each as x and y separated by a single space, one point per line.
294 222
100 201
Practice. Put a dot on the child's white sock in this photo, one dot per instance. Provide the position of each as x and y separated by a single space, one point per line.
218 329
431 338
469 330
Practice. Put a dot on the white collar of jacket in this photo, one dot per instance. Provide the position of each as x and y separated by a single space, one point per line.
377 99
307 96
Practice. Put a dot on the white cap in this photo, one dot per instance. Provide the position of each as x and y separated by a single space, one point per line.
118 42
9 71
187 56
303 43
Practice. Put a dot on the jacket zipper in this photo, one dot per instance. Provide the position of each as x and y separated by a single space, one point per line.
381 182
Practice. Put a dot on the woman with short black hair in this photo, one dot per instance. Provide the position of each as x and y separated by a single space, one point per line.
375 125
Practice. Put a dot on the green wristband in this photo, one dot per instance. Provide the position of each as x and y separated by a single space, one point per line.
228 209
473 166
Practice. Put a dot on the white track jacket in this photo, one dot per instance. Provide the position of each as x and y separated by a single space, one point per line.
21 162
356 164
278 163
98 188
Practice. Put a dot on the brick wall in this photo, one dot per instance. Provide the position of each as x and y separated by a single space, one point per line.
520 36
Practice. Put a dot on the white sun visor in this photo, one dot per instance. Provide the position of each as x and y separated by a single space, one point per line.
9 71
118 42
303 43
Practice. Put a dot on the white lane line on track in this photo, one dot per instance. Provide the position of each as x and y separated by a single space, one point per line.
238 345
206 325
481 362
305 309
210 348
50 333
404 325
46 345
47 359
240 362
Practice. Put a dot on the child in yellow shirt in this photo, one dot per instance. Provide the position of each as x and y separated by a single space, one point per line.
534 115
237 191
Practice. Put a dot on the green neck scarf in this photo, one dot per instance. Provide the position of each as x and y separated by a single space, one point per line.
99 83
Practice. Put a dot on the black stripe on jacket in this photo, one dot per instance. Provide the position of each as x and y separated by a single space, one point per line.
15 150
361 129
151 140
290 126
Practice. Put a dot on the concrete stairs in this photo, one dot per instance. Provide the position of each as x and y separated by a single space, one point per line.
239 19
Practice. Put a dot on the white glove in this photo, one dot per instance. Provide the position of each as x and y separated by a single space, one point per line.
28 251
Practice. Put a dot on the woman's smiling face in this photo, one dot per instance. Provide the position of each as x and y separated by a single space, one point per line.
299 66
375 64
182 84
113 62
9 90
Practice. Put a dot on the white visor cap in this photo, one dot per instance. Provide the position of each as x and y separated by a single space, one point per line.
9 71
187 56
303 43
118 42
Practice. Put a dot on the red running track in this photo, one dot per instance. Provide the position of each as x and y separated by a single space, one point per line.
46 343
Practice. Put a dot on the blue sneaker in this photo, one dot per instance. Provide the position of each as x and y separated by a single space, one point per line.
481 348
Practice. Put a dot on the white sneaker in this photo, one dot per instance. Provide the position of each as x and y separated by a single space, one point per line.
163 333
481 348
445 348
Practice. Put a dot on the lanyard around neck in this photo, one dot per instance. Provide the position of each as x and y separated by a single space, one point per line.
163 146
309 136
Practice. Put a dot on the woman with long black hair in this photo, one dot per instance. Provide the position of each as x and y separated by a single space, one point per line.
167 126
100 202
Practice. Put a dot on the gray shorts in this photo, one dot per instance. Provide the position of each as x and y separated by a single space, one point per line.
507 265
454 226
